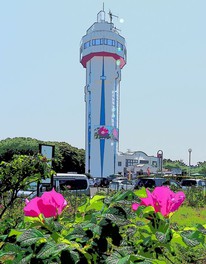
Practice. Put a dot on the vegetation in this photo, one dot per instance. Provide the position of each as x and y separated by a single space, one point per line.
199 169
66 157
105 230
18 174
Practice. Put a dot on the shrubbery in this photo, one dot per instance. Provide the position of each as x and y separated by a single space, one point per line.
105 229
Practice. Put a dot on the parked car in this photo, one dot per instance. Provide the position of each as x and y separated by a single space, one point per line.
75 183
187 183
117 185
30 192
155 182
91 182
112 177
101 182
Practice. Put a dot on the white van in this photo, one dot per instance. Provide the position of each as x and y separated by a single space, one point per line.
77 183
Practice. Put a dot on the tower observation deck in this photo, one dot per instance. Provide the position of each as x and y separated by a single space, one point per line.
103 54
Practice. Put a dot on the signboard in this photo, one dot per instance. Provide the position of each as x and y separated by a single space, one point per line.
48 152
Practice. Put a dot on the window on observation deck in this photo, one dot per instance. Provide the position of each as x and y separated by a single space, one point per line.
96 42
102 41
119 45
87 44
109 42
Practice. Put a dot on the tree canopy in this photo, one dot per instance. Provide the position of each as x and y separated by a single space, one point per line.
66 158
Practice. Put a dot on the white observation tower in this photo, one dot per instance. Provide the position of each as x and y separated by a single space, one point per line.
103 54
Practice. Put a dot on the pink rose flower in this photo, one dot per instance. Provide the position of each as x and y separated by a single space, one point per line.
50 204
162 199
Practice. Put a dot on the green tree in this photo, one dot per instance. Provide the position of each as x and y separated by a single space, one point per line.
66 157
202 167
18 174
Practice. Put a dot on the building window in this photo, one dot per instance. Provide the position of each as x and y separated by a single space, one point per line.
96 42
119 163
131 162
144 162
119 45
110 42
101 41
154 163
87 44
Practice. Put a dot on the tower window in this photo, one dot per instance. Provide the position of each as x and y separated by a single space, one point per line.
87 44
102 41
109 42
119 45
96 42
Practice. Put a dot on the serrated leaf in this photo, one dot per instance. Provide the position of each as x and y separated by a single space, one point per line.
192 238
51 249
12 248
118 211
68 256
190 242
117 220
113 259
30 237
26 259
161 237
140 223
201 228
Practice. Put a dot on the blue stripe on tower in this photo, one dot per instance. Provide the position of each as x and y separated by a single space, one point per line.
115 122
89 120
102 117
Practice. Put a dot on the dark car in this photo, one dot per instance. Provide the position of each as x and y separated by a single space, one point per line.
101 182
112 177
155 182
187 183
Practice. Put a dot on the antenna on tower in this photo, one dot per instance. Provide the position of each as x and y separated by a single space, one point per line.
111 16
101 15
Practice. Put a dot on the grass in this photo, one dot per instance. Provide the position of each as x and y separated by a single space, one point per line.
189 216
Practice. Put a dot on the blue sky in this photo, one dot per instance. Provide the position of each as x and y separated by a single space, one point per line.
163 87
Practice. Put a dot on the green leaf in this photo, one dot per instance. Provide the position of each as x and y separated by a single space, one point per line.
161 237
69 256
141 193
11 248
30 237
122 196
117 211
26 259
201 228
15 232
82 208
96 203
192 237
190 242
51 249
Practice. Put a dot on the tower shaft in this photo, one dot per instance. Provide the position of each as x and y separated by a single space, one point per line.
103 54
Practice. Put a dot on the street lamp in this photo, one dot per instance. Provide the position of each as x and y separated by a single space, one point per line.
160 159
190 151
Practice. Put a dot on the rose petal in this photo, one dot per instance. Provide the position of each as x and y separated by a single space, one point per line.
32 209
135 206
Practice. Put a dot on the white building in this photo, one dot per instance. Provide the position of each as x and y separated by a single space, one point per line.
103 54
137 162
